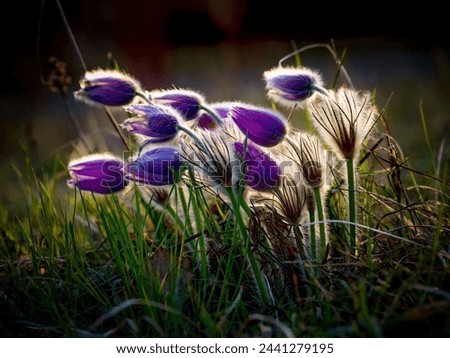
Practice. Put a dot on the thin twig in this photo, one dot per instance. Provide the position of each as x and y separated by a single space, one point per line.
71 37
380 232
84 67
333 54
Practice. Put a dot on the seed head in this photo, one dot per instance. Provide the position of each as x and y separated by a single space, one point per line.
343 120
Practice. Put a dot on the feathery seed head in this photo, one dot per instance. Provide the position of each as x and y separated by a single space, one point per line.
213 161
343 119
307 152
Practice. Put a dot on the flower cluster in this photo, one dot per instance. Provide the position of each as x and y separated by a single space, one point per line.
231 147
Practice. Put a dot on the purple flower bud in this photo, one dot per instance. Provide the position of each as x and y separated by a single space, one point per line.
158 167
262 126
289 86
187 103
99 173
261 171
160 123
206 121
110 88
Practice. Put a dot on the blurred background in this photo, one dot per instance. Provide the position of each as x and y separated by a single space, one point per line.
219 47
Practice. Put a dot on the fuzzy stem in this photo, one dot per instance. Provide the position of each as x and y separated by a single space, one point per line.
186 130
194 136
141 95
256 271
214 115
320 90
351 205
321 216
309 126
201 239
312 232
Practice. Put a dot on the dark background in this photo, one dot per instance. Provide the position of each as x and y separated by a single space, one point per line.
220 48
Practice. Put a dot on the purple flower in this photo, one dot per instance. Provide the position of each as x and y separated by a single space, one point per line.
206 121
110 88
261 171
158 167
160 123
187 103
290 86
262 126
99 173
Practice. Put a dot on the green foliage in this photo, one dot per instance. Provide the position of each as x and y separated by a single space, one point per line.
78 265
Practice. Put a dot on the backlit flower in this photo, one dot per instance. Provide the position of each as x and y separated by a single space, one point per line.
289 86
343 119
158 166
110 88
99 173
159 123
262 126
187 103
261 172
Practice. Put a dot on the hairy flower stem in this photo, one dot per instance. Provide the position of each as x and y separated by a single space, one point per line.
302 254
258 277
309 126
201 240
321 216
312 232
351 205
214 115
141 95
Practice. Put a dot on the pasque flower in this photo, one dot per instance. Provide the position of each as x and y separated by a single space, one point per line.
158 166
99 173
212 161
307 152
289 86
187 103
261 172
262 126
343 119
110 88
159 123
288 199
